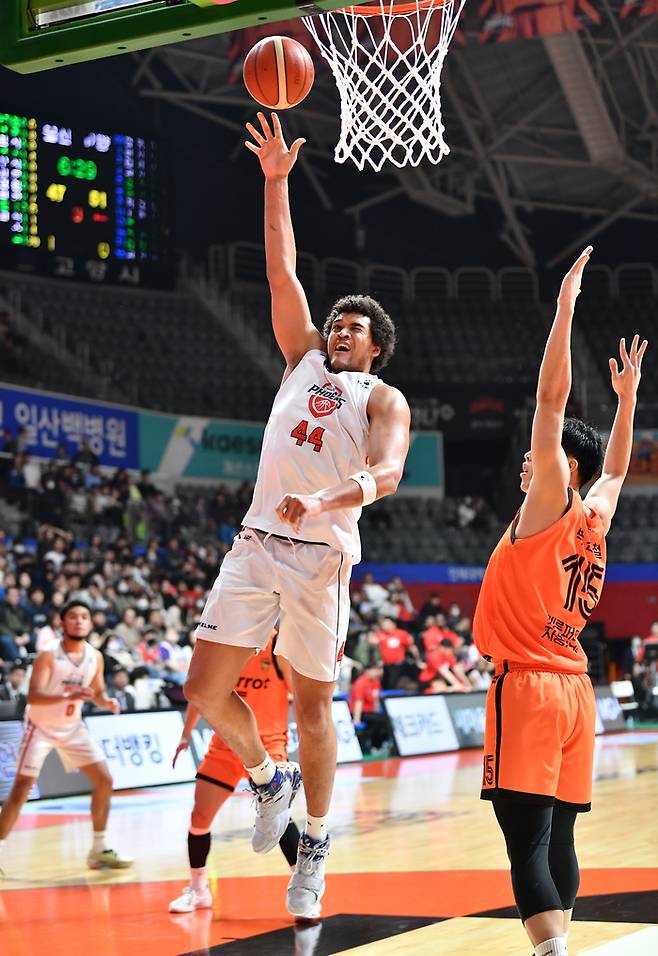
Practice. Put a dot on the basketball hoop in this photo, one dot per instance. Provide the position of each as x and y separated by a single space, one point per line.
386 58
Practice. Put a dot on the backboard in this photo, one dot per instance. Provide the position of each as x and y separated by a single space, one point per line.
45 34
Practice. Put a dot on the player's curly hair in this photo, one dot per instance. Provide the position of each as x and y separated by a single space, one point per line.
382 327
583 442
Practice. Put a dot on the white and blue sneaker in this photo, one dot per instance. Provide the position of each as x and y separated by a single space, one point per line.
306 885
273 806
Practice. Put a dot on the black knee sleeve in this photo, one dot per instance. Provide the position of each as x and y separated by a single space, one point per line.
562 860
289 842
198 848
527 831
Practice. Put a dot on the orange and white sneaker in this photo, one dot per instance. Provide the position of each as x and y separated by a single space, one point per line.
191 900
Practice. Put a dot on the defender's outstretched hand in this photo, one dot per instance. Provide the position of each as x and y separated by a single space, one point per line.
270 146
625 383
570 288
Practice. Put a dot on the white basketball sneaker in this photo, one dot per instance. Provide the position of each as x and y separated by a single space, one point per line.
191 900
273 807
109 859
306 885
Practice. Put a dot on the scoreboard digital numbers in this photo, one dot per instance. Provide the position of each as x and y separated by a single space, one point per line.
81 204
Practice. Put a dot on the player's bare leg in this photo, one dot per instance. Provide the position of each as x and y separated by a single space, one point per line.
317 754
100 855
14 803
543 926
317 740
208 799
214 672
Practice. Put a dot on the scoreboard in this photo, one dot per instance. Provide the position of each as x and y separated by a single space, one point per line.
81 203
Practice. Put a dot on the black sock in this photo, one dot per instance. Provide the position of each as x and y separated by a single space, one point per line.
289 843
198 848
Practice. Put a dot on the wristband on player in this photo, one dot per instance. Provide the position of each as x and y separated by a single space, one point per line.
368 486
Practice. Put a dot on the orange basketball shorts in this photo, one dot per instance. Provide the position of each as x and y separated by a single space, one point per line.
221 766
539 737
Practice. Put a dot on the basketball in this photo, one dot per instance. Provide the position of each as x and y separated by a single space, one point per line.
278 72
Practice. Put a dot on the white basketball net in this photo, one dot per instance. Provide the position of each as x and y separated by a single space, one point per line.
388 72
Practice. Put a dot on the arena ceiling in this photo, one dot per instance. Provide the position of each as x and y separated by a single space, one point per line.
565 122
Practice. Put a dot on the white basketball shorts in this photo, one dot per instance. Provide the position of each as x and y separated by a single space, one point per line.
77 749
302 585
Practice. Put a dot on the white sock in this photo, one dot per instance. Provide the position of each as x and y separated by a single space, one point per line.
263 773
99 842
552 947
316 827
198 879
2 843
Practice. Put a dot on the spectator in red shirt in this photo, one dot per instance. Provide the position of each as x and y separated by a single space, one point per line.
441 662
393 645
365 708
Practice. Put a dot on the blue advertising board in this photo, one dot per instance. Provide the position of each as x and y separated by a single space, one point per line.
111 431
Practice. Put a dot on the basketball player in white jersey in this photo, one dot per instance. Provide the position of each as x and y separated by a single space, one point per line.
336 440
63 678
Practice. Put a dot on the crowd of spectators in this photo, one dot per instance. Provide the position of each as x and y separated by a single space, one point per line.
146 599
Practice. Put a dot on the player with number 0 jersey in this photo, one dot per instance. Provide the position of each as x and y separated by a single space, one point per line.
336 440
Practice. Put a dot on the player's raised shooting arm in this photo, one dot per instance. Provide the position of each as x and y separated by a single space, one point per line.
547 495
291 317
604 493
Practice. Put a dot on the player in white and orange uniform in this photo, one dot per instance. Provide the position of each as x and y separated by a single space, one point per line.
336 440
63 678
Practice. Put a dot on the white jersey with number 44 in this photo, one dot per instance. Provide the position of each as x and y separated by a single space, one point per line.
61 718
316 437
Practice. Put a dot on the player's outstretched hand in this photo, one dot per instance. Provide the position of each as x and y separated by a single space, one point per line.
295 509
276 159
626 381
570 288
183 744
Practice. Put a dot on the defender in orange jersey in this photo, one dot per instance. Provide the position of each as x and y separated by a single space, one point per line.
264 684
542 582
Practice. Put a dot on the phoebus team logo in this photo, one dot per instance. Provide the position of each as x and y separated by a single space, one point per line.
324 400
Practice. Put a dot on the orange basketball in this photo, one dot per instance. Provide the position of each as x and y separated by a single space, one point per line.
278 72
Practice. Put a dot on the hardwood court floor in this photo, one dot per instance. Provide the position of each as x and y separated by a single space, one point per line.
418 867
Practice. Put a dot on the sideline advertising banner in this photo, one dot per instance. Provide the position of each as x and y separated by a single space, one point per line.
421 725
11 734
177 446
609 714
468 713
110 430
